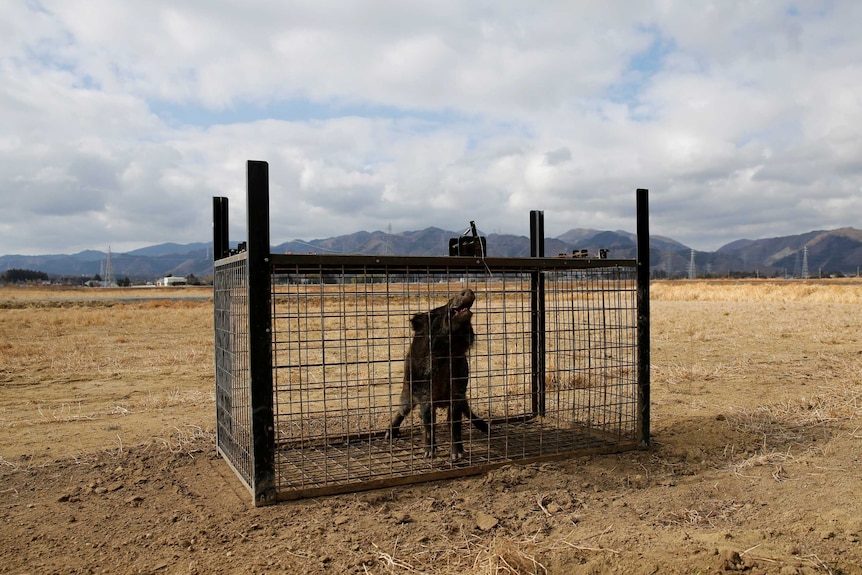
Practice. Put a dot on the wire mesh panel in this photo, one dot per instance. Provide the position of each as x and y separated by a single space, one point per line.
341 333
591 368
233 381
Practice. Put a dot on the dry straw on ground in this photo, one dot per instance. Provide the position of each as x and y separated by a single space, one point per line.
841 291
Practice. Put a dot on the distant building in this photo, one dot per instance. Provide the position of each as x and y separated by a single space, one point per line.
172 281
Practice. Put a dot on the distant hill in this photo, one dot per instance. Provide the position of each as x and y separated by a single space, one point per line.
829 252
169 249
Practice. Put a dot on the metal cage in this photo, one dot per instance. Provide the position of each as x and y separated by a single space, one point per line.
310 359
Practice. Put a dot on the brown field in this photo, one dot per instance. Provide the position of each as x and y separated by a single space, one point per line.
107 462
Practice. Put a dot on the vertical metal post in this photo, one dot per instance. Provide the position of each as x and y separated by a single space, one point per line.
643 329
220 241
260 332
537 313
221 245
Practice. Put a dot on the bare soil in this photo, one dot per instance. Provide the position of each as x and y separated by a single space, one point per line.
107 461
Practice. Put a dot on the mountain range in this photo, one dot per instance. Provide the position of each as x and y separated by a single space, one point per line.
832 252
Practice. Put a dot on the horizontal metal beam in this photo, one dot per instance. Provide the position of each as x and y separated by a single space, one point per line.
287 262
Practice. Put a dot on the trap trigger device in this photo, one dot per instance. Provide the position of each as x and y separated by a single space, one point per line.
468 245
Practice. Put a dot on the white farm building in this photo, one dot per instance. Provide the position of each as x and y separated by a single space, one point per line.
172 281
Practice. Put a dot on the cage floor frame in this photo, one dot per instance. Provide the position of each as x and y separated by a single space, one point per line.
373 462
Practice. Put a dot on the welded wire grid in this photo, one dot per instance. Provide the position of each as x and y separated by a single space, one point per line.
233 381
339 341
591 366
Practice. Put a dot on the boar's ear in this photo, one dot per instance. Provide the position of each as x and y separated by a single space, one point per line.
419 322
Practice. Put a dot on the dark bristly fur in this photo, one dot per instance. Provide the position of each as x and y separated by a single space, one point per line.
436 371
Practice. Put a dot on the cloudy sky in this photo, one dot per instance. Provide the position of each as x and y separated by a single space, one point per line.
119 120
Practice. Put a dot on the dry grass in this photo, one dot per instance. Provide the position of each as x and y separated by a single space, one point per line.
12 296
794 420
846 291
795 430
497 554
688 374
188 439
507 556
709 514
114 369
47 344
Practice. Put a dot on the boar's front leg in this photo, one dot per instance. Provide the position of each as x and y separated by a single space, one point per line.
404 409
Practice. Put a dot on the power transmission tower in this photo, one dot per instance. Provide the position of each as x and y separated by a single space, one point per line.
387 249
668 262
692 270
109 271
805 274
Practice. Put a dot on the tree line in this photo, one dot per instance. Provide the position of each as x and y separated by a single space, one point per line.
18 276
23 276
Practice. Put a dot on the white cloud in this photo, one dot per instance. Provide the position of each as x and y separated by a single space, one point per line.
121 119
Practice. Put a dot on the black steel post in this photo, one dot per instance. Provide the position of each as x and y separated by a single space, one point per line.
643 329
220 240
221 244
260 332
537 313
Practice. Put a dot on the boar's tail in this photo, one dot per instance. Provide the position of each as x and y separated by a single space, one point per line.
478 422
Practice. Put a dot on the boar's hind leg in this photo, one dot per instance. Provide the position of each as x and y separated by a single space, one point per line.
458 409
426 411
477 421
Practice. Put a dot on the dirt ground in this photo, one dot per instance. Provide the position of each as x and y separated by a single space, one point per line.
107 460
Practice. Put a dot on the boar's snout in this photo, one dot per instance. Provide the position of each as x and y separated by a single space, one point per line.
462 302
